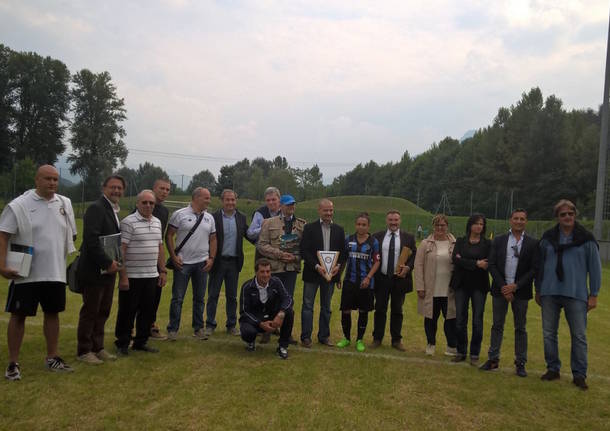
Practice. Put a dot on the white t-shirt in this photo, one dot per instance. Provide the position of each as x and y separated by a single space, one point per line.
49 232
197 248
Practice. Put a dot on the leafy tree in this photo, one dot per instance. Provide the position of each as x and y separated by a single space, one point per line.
97 133
203 179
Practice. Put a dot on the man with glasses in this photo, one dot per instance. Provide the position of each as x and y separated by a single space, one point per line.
143 269
569 255
513 263
97 272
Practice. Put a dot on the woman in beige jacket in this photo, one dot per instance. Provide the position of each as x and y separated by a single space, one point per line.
433 269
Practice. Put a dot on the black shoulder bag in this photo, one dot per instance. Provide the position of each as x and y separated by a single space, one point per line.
170 263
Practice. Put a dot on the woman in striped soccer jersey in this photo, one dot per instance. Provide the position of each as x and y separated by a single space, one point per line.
357 294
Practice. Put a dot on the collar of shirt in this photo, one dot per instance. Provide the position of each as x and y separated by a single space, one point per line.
195 212
324 224
37 197
389 233
225 214
114 206
140 217
283 217
510 233
258 286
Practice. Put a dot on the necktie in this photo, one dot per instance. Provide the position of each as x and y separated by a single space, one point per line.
391 253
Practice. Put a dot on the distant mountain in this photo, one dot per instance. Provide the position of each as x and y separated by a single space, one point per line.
469 134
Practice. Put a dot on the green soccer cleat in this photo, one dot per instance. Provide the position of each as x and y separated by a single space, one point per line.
360 345
343 343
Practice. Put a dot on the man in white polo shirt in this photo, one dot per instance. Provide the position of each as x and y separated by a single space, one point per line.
144 258
40 223
193 260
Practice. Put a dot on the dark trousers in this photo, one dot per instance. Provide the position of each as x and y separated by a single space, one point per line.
249 331
463 297
289 280
500 308
227 272
387 290
139 299
156 302
97 302
439 305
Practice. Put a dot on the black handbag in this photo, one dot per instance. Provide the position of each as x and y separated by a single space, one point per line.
72 276
170 263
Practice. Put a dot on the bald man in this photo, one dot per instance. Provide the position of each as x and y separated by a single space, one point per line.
39 223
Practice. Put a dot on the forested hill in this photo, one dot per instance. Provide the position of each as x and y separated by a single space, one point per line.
535 148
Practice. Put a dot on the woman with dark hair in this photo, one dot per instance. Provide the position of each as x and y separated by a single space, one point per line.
470 281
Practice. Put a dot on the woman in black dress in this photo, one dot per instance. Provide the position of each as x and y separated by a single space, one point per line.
470 281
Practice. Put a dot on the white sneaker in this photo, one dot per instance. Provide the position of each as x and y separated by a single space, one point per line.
451 351
430 349
104 355
90 358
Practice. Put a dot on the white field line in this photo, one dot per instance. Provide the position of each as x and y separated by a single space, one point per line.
335 351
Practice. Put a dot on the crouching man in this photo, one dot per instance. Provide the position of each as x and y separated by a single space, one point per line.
265 306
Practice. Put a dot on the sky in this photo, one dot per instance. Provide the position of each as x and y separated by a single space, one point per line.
335 83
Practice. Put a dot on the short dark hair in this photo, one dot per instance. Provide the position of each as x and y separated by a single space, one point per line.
261 262
518 210
364 215
392 211
114 177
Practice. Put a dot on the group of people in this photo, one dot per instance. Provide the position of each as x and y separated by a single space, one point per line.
374 271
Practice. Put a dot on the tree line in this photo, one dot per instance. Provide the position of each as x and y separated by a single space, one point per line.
533 154
39 101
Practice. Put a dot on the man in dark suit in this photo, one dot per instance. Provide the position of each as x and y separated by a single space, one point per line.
393 280
231 228
97 272
321 235
513 263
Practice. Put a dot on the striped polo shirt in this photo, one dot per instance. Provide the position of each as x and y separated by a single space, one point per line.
142 237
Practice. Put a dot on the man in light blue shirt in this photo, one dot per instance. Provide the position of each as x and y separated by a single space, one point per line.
569 256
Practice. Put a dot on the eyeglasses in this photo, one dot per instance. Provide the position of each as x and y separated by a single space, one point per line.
566 213
147 202
515 250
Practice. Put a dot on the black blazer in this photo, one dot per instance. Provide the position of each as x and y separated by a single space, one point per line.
406 240
99 219
312 241
242 228
526 268
252 310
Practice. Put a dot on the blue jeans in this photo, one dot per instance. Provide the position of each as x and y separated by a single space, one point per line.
309 297
463 296
289 280
576 316
227 271
195 272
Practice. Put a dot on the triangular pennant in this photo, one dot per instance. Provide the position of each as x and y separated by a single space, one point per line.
328 260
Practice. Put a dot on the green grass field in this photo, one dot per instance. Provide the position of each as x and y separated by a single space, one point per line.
216 384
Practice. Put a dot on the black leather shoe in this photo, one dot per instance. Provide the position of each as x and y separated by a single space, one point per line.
550 375
122 351
458 358
520 370
306 342
489 365
326 342
145 348
580 382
